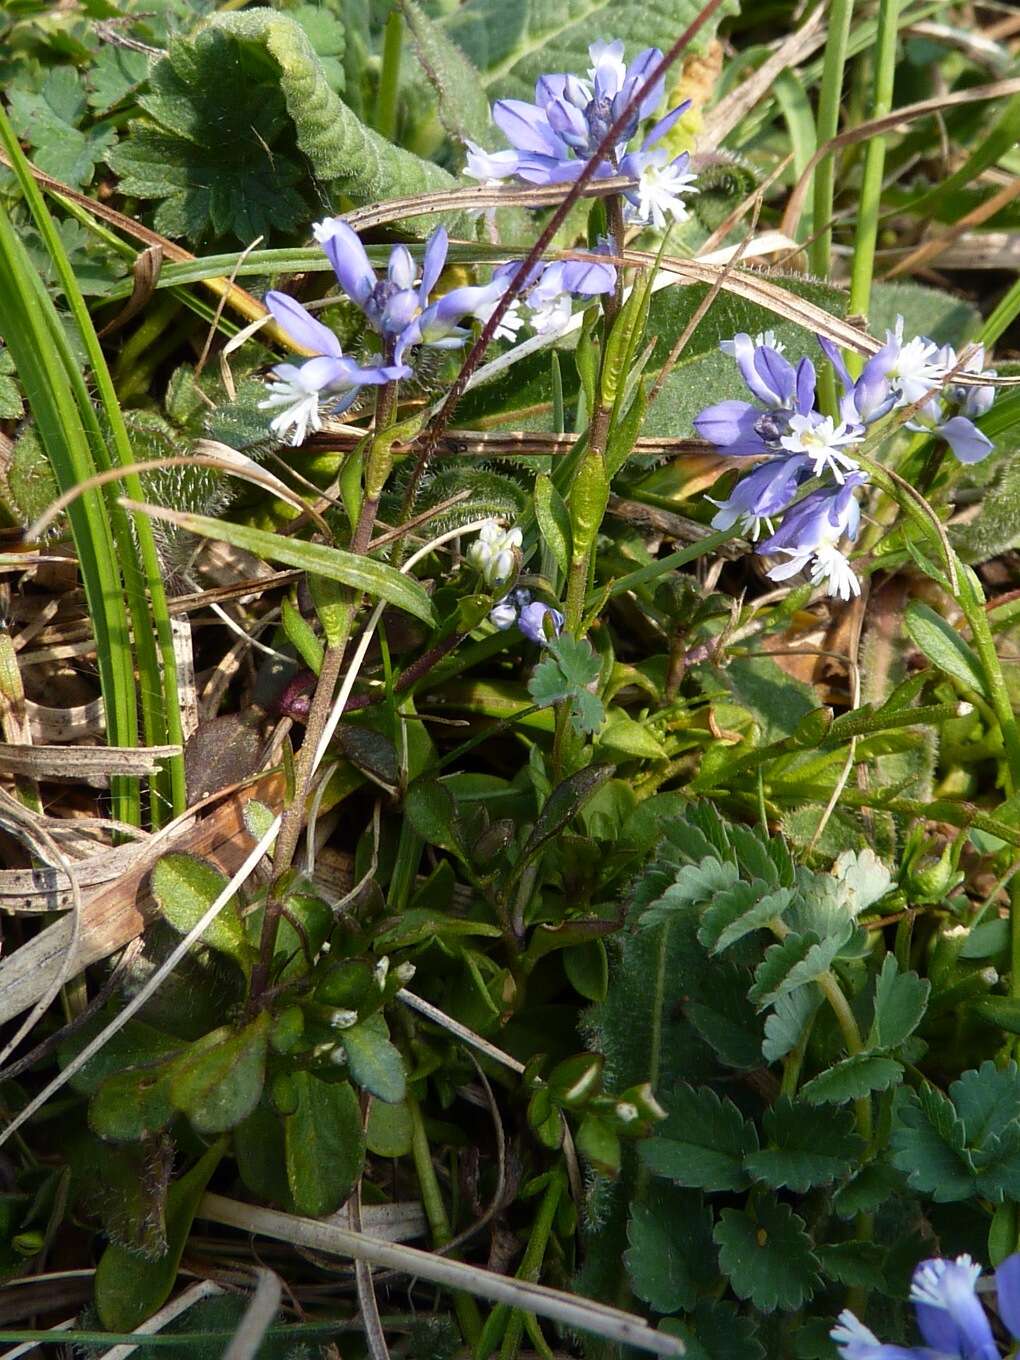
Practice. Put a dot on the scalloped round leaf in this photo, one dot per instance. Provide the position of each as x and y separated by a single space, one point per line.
767 1256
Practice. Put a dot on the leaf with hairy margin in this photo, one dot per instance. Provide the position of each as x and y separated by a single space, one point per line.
232 112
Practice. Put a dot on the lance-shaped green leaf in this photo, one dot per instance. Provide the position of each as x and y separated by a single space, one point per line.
218 1082
562 806
553 520
377 579
185 888
324 1144
943 646
373 1061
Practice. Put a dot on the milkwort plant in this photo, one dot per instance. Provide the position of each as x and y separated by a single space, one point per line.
775 910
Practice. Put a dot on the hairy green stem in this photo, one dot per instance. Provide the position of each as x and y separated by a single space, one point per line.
389 78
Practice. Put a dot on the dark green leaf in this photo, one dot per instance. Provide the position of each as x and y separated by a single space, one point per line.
562 806
185 888
132 1105
324 1144
866 1190
717 1331
943 646
671 1249
851 1079
374 1063
767 1255
218 1082
929 1145
900 1000
807 1146
703 1143
130 1289
859 1265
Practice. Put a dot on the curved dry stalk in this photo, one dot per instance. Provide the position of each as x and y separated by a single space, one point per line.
584 1315
258 1316
225 459
876 126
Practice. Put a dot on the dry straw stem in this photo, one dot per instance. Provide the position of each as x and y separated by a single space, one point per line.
933 249
258 1317
907 114
567 1309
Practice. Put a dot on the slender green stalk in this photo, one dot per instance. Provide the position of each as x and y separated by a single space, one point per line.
389 78
829 97
1003 316
146 595
531 1263
870 203
464 1305
972 603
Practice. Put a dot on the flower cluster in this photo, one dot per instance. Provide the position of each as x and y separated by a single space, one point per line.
529 615
400 309
783 428
949 1314
553 139
492 553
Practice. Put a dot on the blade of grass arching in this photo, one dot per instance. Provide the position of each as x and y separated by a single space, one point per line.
40 367
1003 316
143 580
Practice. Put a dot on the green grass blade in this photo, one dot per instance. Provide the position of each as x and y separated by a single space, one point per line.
137 549
29 336
377 579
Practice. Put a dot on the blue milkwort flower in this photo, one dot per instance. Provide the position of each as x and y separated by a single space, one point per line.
901 374
952 412
549 299
397 306
761 496
809 536
745 429
298 391
949 1314
553 139
529 615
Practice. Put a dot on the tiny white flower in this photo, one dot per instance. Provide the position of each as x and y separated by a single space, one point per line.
492 552
832 567
299 402
823 442
761 340
659 193
550 315
510 323
343 1019
626 1112
404 972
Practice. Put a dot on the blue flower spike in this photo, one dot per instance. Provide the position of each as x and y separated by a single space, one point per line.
950 1316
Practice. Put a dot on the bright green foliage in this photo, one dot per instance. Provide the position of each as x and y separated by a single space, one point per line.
234 114
324 1144
566 674
185 889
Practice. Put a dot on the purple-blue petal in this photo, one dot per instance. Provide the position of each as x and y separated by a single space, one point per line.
777 375
527 127
665 125
806 379
968 443
730 425
637 74
835 357
1007 1288
435 259
587 278
350 263
301 326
